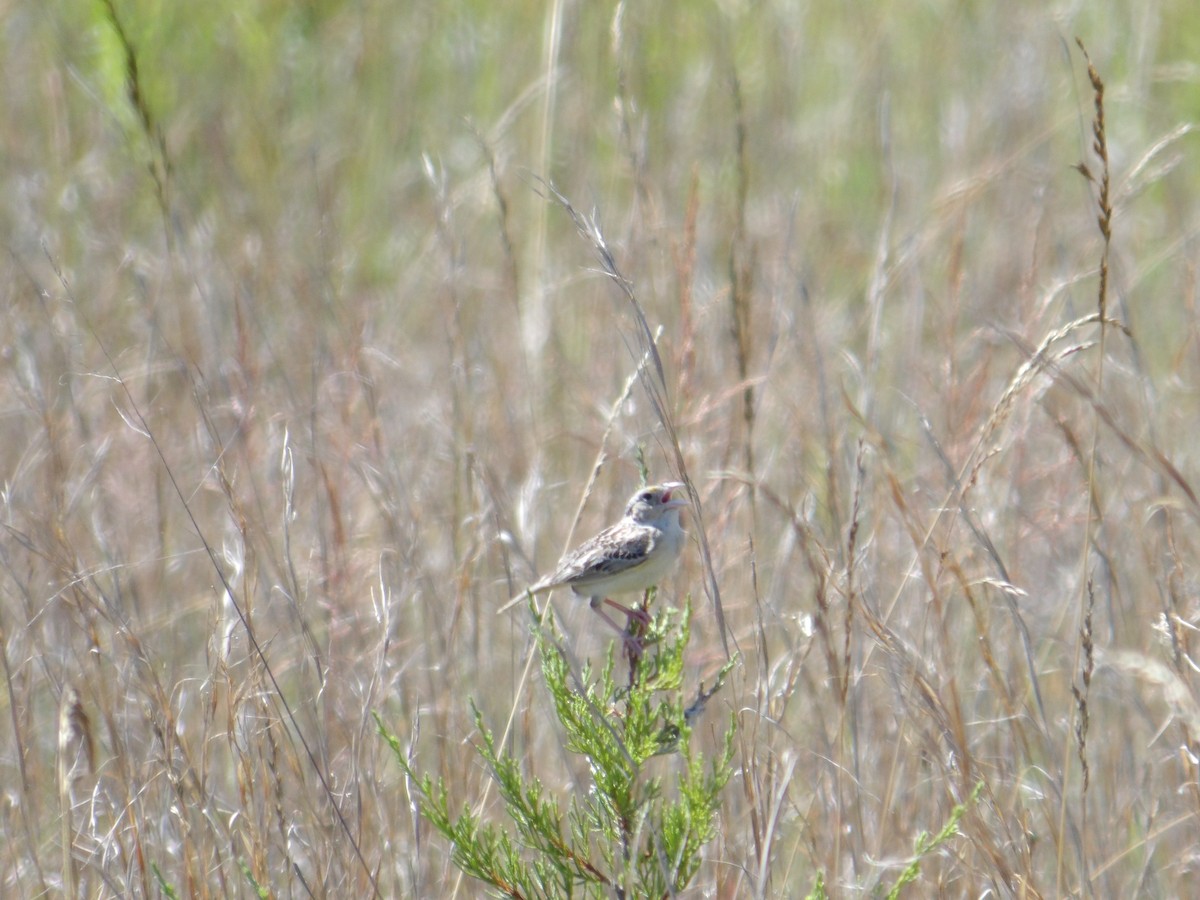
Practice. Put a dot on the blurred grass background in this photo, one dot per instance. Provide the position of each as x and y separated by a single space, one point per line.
281 282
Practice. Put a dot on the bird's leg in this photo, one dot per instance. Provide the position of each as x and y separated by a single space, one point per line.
633 643
636 613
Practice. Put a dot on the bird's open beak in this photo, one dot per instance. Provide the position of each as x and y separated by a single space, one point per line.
670 498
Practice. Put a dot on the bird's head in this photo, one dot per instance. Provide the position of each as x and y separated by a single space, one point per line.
654 501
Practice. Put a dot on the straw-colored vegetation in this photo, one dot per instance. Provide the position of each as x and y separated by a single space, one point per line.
307 370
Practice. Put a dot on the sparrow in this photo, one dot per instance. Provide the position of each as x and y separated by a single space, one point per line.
626 558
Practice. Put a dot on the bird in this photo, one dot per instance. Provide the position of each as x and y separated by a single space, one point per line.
629 557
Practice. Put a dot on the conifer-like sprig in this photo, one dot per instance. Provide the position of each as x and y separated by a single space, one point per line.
629 834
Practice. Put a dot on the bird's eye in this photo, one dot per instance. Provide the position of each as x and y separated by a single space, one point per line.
646 497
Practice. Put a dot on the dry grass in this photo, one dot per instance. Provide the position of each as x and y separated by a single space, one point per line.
304 376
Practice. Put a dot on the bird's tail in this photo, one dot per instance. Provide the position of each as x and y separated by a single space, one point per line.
520 598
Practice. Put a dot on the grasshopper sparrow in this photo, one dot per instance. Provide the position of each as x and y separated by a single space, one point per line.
631 556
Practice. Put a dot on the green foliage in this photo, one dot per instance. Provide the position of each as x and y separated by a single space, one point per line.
926 845
631 834
165 886
260 891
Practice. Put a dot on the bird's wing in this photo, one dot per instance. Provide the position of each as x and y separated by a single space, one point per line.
602 557
611 551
